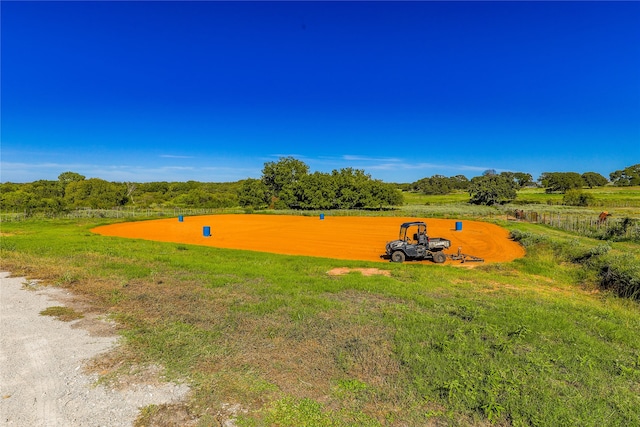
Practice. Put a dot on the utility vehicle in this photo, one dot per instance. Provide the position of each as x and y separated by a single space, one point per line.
414 243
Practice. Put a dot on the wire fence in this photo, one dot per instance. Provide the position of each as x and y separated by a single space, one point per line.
462 210
601 226
587 224
125 213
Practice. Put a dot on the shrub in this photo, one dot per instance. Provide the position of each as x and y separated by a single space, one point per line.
577 198
619 230
582 256
621 275
527 238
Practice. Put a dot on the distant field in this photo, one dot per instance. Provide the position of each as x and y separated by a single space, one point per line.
604 196
620 202
411 198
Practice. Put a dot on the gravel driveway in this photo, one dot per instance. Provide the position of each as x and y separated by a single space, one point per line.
42 380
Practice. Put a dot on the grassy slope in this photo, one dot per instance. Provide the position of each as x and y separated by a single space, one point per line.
526 343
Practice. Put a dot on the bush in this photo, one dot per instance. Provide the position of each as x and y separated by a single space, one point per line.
620 230
527 238
621 275
577 198
582 256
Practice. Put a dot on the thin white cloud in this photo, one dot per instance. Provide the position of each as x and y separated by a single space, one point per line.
397 163
18 165
29 172
175 168
295 156
385 168
229 169
173 156
388 168
448 166
358 158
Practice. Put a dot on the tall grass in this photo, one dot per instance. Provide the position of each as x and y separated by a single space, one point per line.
616 270
608 196
526 343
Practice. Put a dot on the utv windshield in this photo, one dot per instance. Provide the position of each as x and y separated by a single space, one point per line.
411 231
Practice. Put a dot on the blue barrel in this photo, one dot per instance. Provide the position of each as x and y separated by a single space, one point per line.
206 231
180 218
321 216
459 226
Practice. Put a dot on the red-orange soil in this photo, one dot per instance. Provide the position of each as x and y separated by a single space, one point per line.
340 237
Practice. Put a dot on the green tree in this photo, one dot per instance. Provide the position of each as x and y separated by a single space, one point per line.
281 179
95 193
253 193
384 194
523 179
223 194
45 189
437 184
69 177
561 181
520 179
152 193
48 196
626 177
459 182
66 178
577 198
202 198
194 198
491 190
594 179
316 191
37 196
178 188
352 188
52 205
287 184
17 200
440 184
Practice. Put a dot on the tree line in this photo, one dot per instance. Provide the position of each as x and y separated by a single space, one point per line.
288 184
285 184
492 188
73 191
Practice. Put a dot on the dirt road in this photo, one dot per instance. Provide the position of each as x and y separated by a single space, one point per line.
42 380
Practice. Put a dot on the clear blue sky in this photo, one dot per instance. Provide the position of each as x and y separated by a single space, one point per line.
210 91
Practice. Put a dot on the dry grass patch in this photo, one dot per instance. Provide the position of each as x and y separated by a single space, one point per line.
64 314
339 271
167 415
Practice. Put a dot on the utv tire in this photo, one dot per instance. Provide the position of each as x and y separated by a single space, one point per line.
397 256
439 257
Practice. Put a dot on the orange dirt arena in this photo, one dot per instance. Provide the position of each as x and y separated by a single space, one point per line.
339 237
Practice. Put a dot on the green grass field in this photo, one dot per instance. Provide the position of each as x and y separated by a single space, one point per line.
608 196
534 342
